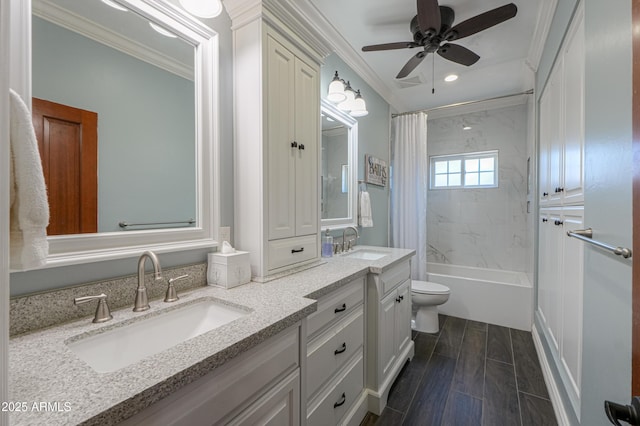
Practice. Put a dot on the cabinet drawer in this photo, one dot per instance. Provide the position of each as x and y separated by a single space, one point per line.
339 399
289 251
336 305
331 350
394 276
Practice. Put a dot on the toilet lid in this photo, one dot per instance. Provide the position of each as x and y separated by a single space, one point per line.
426 287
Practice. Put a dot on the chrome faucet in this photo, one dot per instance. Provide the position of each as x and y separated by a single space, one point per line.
345 246
142 302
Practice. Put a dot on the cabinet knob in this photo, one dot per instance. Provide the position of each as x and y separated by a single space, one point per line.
301 146
294 144
559 189
397 299
341 349
343 399
558 222
545 220
544 194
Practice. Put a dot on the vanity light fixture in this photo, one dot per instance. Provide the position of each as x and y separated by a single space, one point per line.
359 106
115 5
202 8
336 90
346 98
450 78
161 30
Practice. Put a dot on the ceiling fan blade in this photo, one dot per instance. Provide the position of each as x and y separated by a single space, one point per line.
457 53
389 46
482 22
412 64
428 17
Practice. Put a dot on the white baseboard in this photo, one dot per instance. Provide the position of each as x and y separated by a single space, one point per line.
552 386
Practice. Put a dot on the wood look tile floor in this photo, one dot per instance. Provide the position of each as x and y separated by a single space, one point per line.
470 373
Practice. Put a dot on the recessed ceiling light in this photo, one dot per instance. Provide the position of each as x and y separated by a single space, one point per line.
466 127
162 31
450 78
114 5
203 8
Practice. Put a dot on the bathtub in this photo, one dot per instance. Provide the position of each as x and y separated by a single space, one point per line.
489 295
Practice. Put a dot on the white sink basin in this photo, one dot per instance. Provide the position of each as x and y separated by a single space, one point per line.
367 254
125 345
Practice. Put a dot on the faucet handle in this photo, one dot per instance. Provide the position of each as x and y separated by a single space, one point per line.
171 295
102 310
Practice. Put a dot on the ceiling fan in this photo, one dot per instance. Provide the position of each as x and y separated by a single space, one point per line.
432 27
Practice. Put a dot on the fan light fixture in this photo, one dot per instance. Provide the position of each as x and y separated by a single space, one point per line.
450 78
347 99
203 8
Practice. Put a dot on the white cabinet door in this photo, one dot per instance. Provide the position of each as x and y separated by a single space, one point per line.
307 114
572 279
545 147
279 407
386 334
549 263
403 316
573 192
556 134
280 105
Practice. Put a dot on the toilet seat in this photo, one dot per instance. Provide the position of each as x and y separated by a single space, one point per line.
426 287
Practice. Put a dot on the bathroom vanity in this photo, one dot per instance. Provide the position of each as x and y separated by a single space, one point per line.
302 354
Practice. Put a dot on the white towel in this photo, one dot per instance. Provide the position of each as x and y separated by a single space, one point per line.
364 215
29 215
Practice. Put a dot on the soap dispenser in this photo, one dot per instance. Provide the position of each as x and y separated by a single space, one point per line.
327 244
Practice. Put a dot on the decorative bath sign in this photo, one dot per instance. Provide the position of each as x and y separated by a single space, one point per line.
375 170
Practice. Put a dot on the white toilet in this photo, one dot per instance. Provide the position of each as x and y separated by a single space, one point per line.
425 298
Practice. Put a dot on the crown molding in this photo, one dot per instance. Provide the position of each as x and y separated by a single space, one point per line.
79 24
546 12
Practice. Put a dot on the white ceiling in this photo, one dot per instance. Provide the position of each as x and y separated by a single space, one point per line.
507 51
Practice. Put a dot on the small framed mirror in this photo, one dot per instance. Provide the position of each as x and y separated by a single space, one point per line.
339 171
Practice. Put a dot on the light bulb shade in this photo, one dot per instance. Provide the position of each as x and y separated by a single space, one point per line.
359 107
347 104
203 8
336 91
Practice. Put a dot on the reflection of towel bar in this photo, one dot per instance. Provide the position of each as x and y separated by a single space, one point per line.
125 225
587 235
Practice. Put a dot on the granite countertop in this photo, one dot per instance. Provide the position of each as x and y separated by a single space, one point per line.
43 369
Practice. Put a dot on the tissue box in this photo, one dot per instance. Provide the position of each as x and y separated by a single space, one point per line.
228 270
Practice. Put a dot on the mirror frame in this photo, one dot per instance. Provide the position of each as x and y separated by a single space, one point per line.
85 248
351 124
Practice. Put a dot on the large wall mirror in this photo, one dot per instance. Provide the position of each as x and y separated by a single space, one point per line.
339 168
148 72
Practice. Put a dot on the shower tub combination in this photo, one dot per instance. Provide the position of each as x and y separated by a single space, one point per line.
489 295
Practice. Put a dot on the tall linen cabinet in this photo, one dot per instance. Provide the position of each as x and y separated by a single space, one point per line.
561 199
276 148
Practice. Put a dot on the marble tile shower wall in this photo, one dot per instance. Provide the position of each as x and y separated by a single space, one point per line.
487 227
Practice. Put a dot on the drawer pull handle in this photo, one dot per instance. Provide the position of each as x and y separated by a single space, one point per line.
341 309
300 250
343 399
342 349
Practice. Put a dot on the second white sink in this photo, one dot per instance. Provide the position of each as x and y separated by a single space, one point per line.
125 345
366 254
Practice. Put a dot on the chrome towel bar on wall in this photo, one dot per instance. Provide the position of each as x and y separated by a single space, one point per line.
587 235
125 225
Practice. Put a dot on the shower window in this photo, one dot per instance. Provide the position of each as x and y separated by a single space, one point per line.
471 170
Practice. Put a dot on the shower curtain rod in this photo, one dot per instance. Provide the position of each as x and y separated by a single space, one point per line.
527 92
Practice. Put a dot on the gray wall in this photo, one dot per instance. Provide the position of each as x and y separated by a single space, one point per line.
484 227
46 279
373 139
146 124
606 369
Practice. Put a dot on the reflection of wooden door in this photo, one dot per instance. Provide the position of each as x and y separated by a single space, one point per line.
68 143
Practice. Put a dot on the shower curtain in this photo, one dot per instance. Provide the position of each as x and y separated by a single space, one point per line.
409 170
